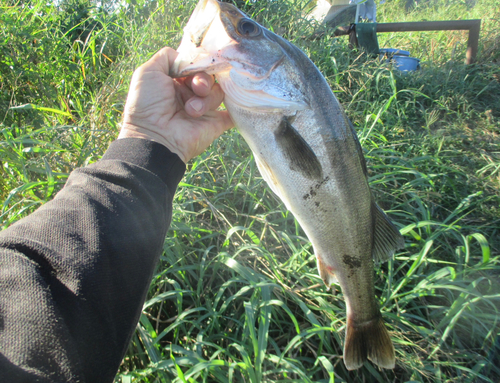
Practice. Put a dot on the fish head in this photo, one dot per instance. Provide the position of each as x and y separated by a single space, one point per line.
248 60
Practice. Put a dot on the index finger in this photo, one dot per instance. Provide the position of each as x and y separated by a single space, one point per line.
201 83
162 60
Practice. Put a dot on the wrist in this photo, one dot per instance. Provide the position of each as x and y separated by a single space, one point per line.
134 131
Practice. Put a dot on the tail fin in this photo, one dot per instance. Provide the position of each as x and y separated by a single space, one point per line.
368 340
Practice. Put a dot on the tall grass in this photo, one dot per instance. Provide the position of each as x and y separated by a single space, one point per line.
236 296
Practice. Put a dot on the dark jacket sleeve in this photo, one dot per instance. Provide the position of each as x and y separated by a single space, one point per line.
75 273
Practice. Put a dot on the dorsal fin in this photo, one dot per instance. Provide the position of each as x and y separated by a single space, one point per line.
387 238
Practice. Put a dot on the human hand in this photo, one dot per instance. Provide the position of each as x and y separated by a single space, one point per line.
178 113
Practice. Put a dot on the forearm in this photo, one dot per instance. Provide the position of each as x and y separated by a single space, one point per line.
74 274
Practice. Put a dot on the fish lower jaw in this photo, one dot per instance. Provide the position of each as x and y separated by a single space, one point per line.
258 108
257 101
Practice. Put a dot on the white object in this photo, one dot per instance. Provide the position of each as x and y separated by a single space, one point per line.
319 11
366 10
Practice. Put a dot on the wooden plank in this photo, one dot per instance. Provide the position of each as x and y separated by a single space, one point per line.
473 26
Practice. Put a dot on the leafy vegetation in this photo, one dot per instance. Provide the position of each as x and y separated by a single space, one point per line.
236 296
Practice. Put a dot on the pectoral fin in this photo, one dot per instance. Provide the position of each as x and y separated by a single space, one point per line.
299 154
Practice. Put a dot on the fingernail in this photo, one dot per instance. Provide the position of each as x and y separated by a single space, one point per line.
196 105
203 81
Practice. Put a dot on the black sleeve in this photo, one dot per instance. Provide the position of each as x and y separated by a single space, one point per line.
75 273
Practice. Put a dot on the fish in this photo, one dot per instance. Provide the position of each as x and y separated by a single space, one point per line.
308 152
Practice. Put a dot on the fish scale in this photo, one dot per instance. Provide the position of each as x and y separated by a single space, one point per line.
308 152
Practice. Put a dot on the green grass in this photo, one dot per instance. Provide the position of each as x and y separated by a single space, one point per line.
236 296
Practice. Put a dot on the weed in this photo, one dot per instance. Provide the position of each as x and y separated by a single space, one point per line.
237 296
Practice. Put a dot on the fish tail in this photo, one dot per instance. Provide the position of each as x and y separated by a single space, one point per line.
368 340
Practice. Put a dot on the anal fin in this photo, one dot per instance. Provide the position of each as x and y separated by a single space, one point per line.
369 340
327 274
387 238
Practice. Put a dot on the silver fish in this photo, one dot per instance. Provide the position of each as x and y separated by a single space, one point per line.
307 151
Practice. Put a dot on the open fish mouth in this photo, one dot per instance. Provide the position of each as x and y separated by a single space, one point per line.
204 37
221 40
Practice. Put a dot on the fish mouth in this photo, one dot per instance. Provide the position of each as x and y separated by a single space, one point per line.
203 39
221 40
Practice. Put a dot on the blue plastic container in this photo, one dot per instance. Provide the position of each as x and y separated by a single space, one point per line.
400 59
407 63
390 52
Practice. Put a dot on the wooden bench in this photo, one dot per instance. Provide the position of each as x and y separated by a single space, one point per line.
473 26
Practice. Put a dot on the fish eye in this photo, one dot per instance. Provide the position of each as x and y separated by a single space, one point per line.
247 27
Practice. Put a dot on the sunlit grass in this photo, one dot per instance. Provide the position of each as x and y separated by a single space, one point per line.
236 296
